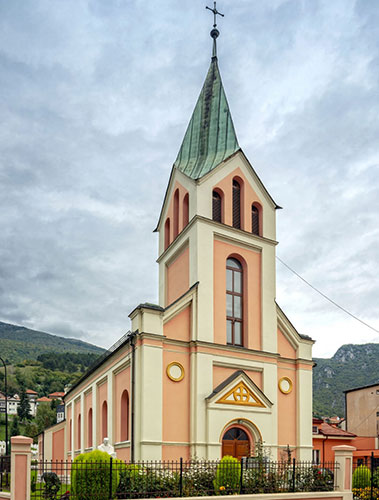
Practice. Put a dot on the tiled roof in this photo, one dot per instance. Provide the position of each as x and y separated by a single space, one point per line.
44 399
330 430
29 391
57 394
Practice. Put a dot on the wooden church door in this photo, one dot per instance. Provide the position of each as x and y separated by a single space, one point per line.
236 443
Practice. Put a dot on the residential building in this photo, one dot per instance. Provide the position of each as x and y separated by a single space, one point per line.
325 436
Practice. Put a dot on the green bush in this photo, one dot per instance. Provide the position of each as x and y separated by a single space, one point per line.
361 477
90 476
375 477
198 479
228 475
137 482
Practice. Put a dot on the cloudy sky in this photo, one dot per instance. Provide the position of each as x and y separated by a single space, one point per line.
95 97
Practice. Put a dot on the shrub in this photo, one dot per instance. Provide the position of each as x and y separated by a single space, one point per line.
361 477
365 493
90 476
228 475
138 482
52 485
375 478
198 479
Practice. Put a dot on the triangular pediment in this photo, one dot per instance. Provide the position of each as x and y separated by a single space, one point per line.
239 390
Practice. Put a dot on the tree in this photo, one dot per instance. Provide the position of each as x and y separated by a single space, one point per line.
45 417
15 427
23 410
31 430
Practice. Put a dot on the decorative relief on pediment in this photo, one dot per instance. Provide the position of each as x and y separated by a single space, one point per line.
240 394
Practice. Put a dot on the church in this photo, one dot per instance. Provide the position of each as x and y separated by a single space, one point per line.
216 367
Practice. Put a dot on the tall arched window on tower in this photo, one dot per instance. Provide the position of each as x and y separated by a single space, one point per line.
176 213
185 210
216 206
234 301
236 204
104 421
167 233
124 416
254 220
89 429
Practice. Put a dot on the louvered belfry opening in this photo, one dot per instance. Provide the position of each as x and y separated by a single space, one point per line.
254 220
216 207
236 205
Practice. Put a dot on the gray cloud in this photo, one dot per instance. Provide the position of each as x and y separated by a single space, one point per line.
95 98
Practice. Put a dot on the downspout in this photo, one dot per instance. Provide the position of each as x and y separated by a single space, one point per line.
132 426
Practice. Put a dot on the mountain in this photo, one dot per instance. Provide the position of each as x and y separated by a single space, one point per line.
19 343
351 366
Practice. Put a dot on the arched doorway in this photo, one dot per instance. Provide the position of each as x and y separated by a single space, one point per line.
236 443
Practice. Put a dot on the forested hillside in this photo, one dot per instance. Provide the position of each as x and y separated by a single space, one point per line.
19 343
351 366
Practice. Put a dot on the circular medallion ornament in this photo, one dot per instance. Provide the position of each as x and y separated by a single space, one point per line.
285 385
175 371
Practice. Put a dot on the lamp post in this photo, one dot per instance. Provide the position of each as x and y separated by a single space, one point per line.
6 407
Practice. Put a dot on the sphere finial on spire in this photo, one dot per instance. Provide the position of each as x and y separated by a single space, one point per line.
214 32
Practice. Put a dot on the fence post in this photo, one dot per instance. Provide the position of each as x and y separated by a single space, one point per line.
20 467
110 478
372 476
343 456
181 478
293 474
241 477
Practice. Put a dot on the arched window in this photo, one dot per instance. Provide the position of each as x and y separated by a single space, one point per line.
176 213
236 204
167 233
216 206
234 302
254 220
104 421
124 416
185 210
79 432
89 428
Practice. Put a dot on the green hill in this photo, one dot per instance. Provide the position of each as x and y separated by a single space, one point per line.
19 343
351 366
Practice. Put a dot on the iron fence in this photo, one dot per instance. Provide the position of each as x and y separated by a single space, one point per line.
5 468
114 479
365 481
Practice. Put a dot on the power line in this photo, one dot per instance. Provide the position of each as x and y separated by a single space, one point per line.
326 297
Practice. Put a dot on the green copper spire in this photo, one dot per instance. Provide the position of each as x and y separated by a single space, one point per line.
210 137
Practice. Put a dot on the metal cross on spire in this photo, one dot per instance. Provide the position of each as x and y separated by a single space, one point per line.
215 12
214 33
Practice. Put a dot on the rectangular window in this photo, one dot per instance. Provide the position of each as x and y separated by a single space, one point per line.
316 456
237 333
229 337
229 305
229 280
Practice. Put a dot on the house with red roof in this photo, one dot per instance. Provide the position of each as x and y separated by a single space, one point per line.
325 436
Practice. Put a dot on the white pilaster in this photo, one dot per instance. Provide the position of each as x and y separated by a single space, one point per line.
73 427
110 408
82 420
94 415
